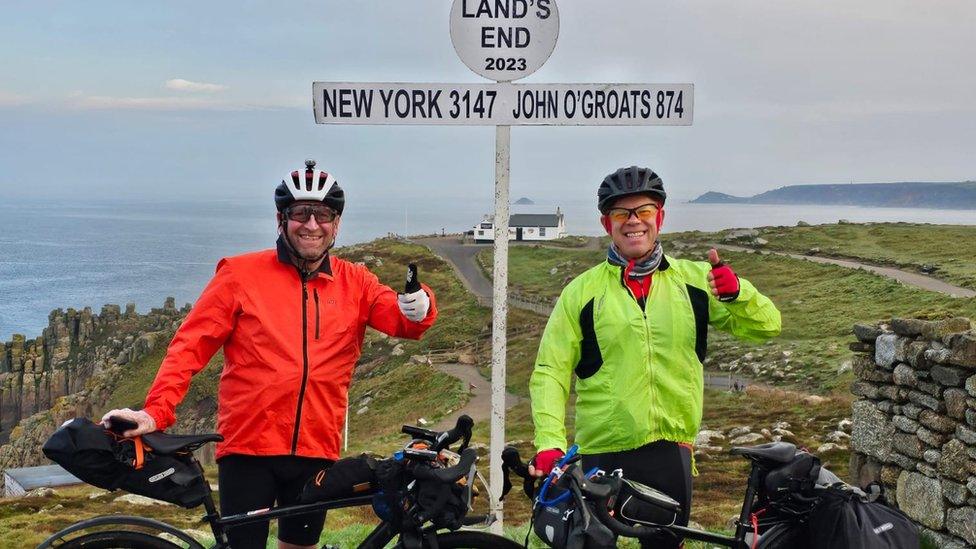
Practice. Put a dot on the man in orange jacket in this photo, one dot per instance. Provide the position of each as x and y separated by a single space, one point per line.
291 322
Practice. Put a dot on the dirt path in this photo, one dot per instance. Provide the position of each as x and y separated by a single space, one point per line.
912 279
479 406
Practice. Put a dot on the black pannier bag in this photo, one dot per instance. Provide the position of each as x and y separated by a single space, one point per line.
348 477
843 519
105 460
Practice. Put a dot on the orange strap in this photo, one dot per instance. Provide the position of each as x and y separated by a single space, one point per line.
140 453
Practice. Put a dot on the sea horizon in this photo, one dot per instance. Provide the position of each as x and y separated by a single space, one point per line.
91 253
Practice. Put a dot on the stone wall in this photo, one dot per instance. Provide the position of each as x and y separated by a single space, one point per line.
915 421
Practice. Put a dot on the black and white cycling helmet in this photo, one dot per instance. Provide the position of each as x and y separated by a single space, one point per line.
310 184
628 181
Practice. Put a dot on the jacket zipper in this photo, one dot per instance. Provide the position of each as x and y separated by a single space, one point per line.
301 392
647 330
315 293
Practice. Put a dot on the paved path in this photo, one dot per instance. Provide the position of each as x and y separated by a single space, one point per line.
912 279
479 406
462 258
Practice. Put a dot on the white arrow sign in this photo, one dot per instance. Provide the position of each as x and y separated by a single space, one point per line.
504 104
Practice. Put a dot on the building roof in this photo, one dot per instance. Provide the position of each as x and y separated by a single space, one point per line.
46 475
533 220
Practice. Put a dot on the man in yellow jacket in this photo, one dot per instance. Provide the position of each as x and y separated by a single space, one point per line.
633 330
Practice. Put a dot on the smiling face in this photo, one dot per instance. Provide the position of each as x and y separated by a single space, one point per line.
635 237
310 238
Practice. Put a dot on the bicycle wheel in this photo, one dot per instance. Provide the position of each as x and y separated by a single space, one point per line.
471 539
780 536
118 539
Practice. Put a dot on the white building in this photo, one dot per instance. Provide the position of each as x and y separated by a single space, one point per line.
17 482
524 227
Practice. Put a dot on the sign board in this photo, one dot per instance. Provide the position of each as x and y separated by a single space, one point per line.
504 40
504 104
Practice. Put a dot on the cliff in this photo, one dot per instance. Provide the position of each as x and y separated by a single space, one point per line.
72 370
955 196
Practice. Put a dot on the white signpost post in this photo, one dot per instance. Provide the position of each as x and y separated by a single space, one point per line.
503 40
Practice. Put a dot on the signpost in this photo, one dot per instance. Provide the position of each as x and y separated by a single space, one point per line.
503 40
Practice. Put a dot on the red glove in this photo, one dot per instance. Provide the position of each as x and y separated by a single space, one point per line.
723 281
545 460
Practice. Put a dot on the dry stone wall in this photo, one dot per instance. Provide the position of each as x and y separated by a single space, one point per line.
915 421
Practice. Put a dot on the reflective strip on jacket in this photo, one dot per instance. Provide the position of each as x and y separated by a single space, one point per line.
639 371
287 368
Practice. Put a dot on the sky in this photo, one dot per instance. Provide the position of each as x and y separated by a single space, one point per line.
182 100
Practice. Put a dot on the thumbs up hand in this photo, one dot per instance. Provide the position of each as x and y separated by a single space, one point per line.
722 280
414 302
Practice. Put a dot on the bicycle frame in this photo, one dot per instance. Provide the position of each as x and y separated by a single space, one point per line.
418 529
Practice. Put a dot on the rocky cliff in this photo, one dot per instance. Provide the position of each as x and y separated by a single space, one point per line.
71 370
950 196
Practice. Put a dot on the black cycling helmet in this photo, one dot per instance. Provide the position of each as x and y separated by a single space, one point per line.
628 181
314 185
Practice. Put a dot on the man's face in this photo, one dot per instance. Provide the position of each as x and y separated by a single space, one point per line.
635 234
308 229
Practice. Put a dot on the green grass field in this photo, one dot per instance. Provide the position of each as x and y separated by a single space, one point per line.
948 248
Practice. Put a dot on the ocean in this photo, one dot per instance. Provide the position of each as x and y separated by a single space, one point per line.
77 254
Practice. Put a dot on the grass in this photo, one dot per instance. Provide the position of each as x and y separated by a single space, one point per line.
909 246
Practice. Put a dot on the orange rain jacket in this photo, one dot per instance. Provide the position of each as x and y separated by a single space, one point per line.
290 348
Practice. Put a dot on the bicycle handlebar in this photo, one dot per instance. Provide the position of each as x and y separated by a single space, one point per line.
441 440
448 474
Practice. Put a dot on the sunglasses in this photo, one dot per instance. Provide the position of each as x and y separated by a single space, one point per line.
301 214
647 212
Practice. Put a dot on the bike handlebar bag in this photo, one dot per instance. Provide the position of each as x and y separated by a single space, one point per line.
103 459
563 524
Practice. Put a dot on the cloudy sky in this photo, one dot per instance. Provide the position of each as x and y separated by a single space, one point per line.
180 99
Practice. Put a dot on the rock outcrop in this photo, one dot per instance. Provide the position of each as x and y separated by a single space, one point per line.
71 370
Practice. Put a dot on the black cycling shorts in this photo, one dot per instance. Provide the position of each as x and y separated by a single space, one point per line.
257 482
663 465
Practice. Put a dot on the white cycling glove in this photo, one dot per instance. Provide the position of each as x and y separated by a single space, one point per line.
414 305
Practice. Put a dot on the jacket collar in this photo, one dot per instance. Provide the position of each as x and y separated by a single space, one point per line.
284 256
662 267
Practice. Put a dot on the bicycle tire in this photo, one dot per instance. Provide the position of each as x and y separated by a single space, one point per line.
118 539
473 539
779 536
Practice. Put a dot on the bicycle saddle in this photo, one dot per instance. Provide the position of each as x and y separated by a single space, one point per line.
162 443
776 452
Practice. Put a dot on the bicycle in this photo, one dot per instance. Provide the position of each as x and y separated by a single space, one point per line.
762 523
423 458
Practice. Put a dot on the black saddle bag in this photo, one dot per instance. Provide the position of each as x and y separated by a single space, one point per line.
103 459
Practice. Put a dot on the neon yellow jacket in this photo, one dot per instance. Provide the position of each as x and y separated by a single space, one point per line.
639 372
